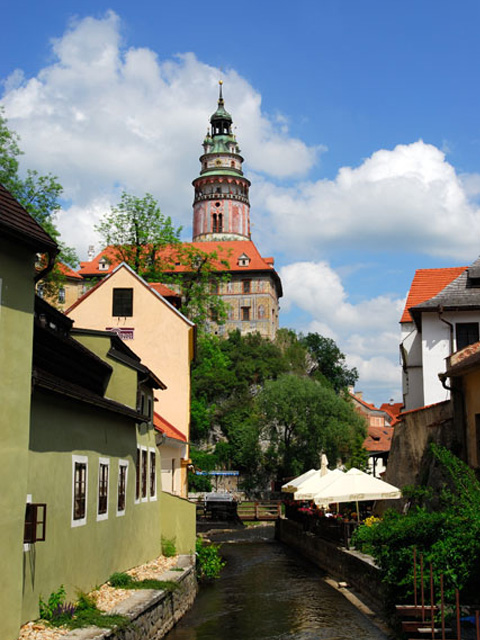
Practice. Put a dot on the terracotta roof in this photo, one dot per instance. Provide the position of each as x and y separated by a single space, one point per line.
379 439
164 426
393 410
17 222
163 290
65 270
363 403
229 251
426 284
461 294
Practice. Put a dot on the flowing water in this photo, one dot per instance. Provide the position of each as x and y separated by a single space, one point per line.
268 592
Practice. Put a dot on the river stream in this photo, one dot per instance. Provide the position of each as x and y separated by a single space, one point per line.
266 591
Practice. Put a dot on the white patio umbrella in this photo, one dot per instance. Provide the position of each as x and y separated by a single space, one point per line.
356 486
324 465
313 485
292 485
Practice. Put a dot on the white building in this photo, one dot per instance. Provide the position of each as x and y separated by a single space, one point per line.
441 316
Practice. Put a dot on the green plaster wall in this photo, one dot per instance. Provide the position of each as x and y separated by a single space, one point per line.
178 521
122 385
16 331
84 556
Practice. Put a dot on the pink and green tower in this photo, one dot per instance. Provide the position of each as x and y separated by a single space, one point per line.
221 208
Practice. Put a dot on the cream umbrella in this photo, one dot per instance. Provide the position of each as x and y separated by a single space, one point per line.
356 486
292 485
324 465
313 485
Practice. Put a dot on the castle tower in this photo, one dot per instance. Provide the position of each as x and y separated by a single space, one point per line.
221 208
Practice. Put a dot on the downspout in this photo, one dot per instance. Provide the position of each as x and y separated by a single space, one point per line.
440 312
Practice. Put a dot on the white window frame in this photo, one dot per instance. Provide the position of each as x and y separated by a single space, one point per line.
138 470
122 463
153 450
79 522
103 516
144 498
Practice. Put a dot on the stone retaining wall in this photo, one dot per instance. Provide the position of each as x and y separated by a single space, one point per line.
352 567
152 613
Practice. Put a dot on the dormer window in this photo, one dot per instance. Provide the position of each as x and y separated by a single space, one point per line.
243 260
103 264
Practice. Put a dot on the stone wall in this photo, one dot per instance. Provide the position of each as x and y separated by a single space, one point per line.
408 462
352 567
152 613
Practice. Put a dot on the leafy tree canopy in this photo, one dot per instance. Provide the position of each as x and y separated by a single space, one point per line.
301 418
255 399
149 243
38 194
328 362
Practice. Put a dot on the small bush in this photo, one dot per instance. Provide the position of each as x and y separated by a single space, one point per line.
56 610
120 580
209 561
84 613
168 547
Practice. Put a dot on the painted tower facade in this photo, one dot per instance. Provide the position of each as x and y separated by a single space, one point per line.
221 209
221 224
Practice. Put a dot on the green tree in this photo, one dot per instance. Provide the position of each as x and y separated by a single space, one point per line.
148 242
301 418
38 194
328 362
137 230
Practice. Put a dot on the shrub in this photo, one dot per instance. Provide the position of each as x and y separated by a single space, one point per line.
56 610
209 561
120 580
448 536
168 547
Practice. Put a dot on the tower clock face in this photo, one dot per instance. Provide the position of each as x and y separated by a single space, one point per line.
218 162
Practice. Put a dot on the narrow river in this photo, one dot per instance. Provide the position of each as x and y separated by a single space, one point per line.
268 592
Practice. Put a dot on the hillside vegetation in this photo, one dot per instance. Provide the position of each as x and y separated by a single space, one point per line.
269 409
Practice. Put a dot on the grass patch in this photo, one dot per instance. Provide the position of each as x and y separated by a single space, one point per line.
125 581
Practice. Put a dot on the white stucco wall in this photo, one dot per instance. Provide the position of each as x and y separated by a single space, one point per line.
412 374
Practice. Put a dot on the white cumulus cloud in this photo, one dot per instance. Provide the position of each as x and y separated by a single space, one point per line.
406 199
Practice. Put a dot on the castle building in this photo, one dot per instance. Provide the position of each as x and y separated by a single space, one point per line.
221 225
221 222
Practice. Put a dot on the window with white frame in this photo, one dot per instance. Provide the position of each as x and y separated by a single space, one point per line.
79 490
122 487
137 475
103 480
144 473
153 474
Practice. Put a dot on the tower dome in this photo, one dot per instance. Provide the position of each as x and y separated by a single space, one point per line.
221 208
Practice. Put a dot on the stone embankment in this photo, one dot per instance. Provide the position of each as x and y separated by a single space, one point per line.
152 613
346 566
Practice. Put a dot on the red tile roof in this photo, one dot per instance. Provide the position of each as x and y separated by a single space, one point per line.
379 439
393 410
426 284
162 290
228 251
162 425
69 273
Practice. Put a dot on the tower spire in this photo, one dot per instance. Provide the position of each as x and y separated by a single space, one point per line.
221 209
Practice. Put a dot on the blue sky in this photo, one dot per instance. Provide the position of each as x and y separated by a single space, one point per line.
358 121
